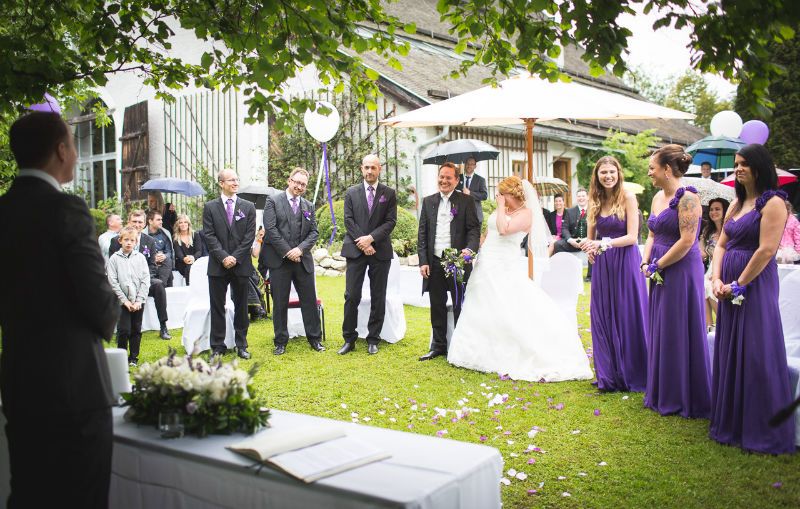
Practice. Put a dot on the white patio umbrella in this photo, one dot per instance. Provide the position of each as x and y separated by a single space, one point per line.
525 99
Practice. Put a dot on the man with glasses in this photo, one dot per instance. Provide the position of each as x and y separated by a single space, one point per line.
291 232
229 229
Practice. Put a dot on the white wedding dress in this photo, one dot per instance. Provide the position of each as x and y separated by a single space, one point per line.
509 325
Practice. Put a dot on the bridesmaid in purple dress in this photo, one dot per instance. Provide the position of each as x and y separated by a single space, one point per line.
619 299
751 380
678 379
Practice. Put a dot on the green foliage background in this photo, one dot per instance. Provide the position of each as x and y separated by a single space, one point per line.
404 235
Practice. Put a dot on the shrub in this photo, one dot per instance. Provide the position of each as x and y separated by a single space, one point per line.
404 236
99 221
488 206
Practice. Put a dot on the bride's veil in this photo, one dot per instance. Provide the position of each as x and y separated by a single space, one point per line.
539 235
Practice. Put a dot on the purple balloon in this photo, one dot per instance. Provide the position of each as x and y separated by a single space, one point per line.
754 131
50 105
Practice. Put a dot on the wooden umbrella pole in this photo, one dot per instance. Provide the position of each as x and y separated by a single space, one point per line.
529 122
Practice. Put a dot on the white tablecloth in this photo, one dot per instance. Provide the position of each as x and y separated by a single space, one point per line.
423 472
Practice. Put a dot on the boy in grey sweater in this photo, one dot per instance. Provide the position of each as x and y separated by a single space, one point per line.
129 276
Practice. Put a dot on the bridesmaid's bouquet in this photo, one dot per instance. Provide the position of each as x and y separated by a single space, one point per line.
605 245
655 273
737 293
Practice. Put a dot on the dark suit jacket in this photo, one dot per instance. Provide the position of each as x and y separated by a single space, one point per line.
379 223
53 360
478 191
225 240
574 226
147 246
465 229
550 217
278 231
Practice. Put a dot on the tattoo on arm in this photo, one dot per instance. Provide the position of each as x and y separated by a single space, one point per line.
688 214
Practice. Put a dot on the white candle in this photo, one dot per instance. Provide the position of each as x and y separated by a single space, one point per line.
118 367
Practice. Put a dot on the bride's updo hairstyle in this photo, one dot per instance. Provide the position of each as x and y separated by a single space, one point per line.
512 185
675 157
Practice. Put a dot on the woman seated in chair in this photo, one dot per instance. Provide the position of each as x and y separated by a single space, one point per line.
255 297
188 244
789 249
555 220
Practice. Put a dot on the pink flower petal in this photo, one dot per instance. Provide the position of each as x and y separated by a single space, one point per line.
777 485
483 438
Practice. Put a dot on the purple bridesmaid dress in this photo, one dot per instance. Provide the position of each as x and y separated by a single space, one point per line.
678 379
619 313
751 380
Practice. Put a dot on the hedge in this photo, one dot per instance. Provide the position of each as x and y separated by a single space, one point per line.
99 221
404 235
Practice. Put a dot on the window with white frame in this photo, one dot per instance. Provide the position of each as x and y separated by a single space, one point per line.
96 171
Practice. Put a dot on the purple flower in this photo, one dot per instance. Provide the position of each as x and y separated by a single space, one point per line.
382 199
146 251
307 215
239 215
532 492
596 411
191 407
504 377
483 438
531 461
453 211
777 485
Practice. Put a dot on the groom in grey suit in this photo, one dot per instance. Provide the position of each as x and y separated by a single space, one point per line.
229 229
291 232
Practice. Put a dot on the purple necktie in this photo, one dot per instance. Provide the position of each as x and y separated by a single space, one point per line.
370 197
294 204
229 210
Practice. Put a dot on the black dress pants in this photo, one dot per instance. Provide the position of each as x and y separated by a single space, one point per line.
281 280
217 290
439 285
378 278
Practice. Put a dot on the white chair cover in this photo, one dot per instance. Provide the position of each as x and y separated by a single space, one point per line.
394 322
563 283
177 299
790 318
178 281
197 318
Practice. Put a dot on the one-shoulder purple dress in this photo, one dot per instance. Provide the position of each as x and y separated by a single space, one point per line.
678 378
618 313
751 380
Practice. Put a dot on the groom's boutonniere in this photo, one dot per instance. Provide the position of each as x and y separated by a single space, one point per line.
146 251
239 215
382 199
453 212
307 215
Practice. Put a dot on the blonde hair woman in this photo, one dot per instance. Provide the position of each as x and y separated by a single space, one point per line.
619 298
508 324
188 245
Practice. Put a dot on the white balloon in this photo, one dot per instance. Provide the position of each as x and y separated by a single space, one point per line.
322 127
726 123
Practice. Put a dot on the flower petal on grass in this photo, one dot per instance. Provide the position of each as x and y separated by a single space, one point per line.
561 478
483 438
602 464
777 485
531 461
532 492
344 405
505 482
441 433
512 472
566 494
521 476
596 411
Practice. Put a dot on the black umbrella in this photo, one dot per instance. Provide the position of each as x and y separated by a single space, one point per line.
257 193
458 151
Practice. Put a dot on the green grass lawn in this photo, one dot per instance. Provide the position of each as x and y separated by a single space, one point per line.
627 456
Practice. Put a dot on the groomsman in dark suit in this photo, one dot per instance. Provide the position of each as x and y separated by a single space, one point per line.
576 231
229 229
370 213
291 232
448 219
54 379
473 185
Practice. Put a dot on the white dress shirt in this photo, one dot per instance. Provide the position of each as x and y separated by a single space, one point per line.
443 219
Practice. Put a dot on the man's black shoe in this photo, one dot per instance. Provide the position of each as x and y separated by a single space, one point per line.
315 345
432 355
280 350
372 349
347 348
164 334
243 353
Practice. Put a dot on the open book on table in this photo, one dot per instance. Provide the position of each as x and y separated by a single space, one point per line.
309 453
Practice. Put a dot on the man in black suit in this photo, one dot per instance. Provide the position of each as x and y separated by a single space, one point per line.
473 185
576 229
370 213
54 379
291 234
147 246
229 229
448 219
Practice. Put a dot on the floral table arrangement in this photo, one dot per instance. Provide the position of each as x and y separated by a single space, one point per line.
213 397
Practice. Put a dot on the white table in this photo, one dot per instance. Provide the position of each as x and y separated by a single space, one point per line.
423 472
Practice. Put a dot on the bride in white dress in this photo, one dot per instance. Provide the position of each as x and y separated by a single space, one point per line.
508 324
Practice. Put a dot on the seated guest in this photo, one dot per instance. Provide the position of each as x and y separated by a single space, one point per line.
255 298
557 221
188 246
114 224
165 254
129 276
717 208
147 247
789 249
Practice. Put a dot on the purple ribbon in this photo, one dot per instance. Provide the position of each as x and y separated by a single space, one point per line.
328 188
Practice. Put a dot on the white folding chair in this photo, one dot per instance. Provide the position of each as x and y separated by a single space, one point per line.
563 283
394 322
790 319
197 318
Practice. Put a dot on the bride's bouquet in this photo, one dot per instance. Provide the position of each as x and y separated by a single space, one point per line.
454 263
